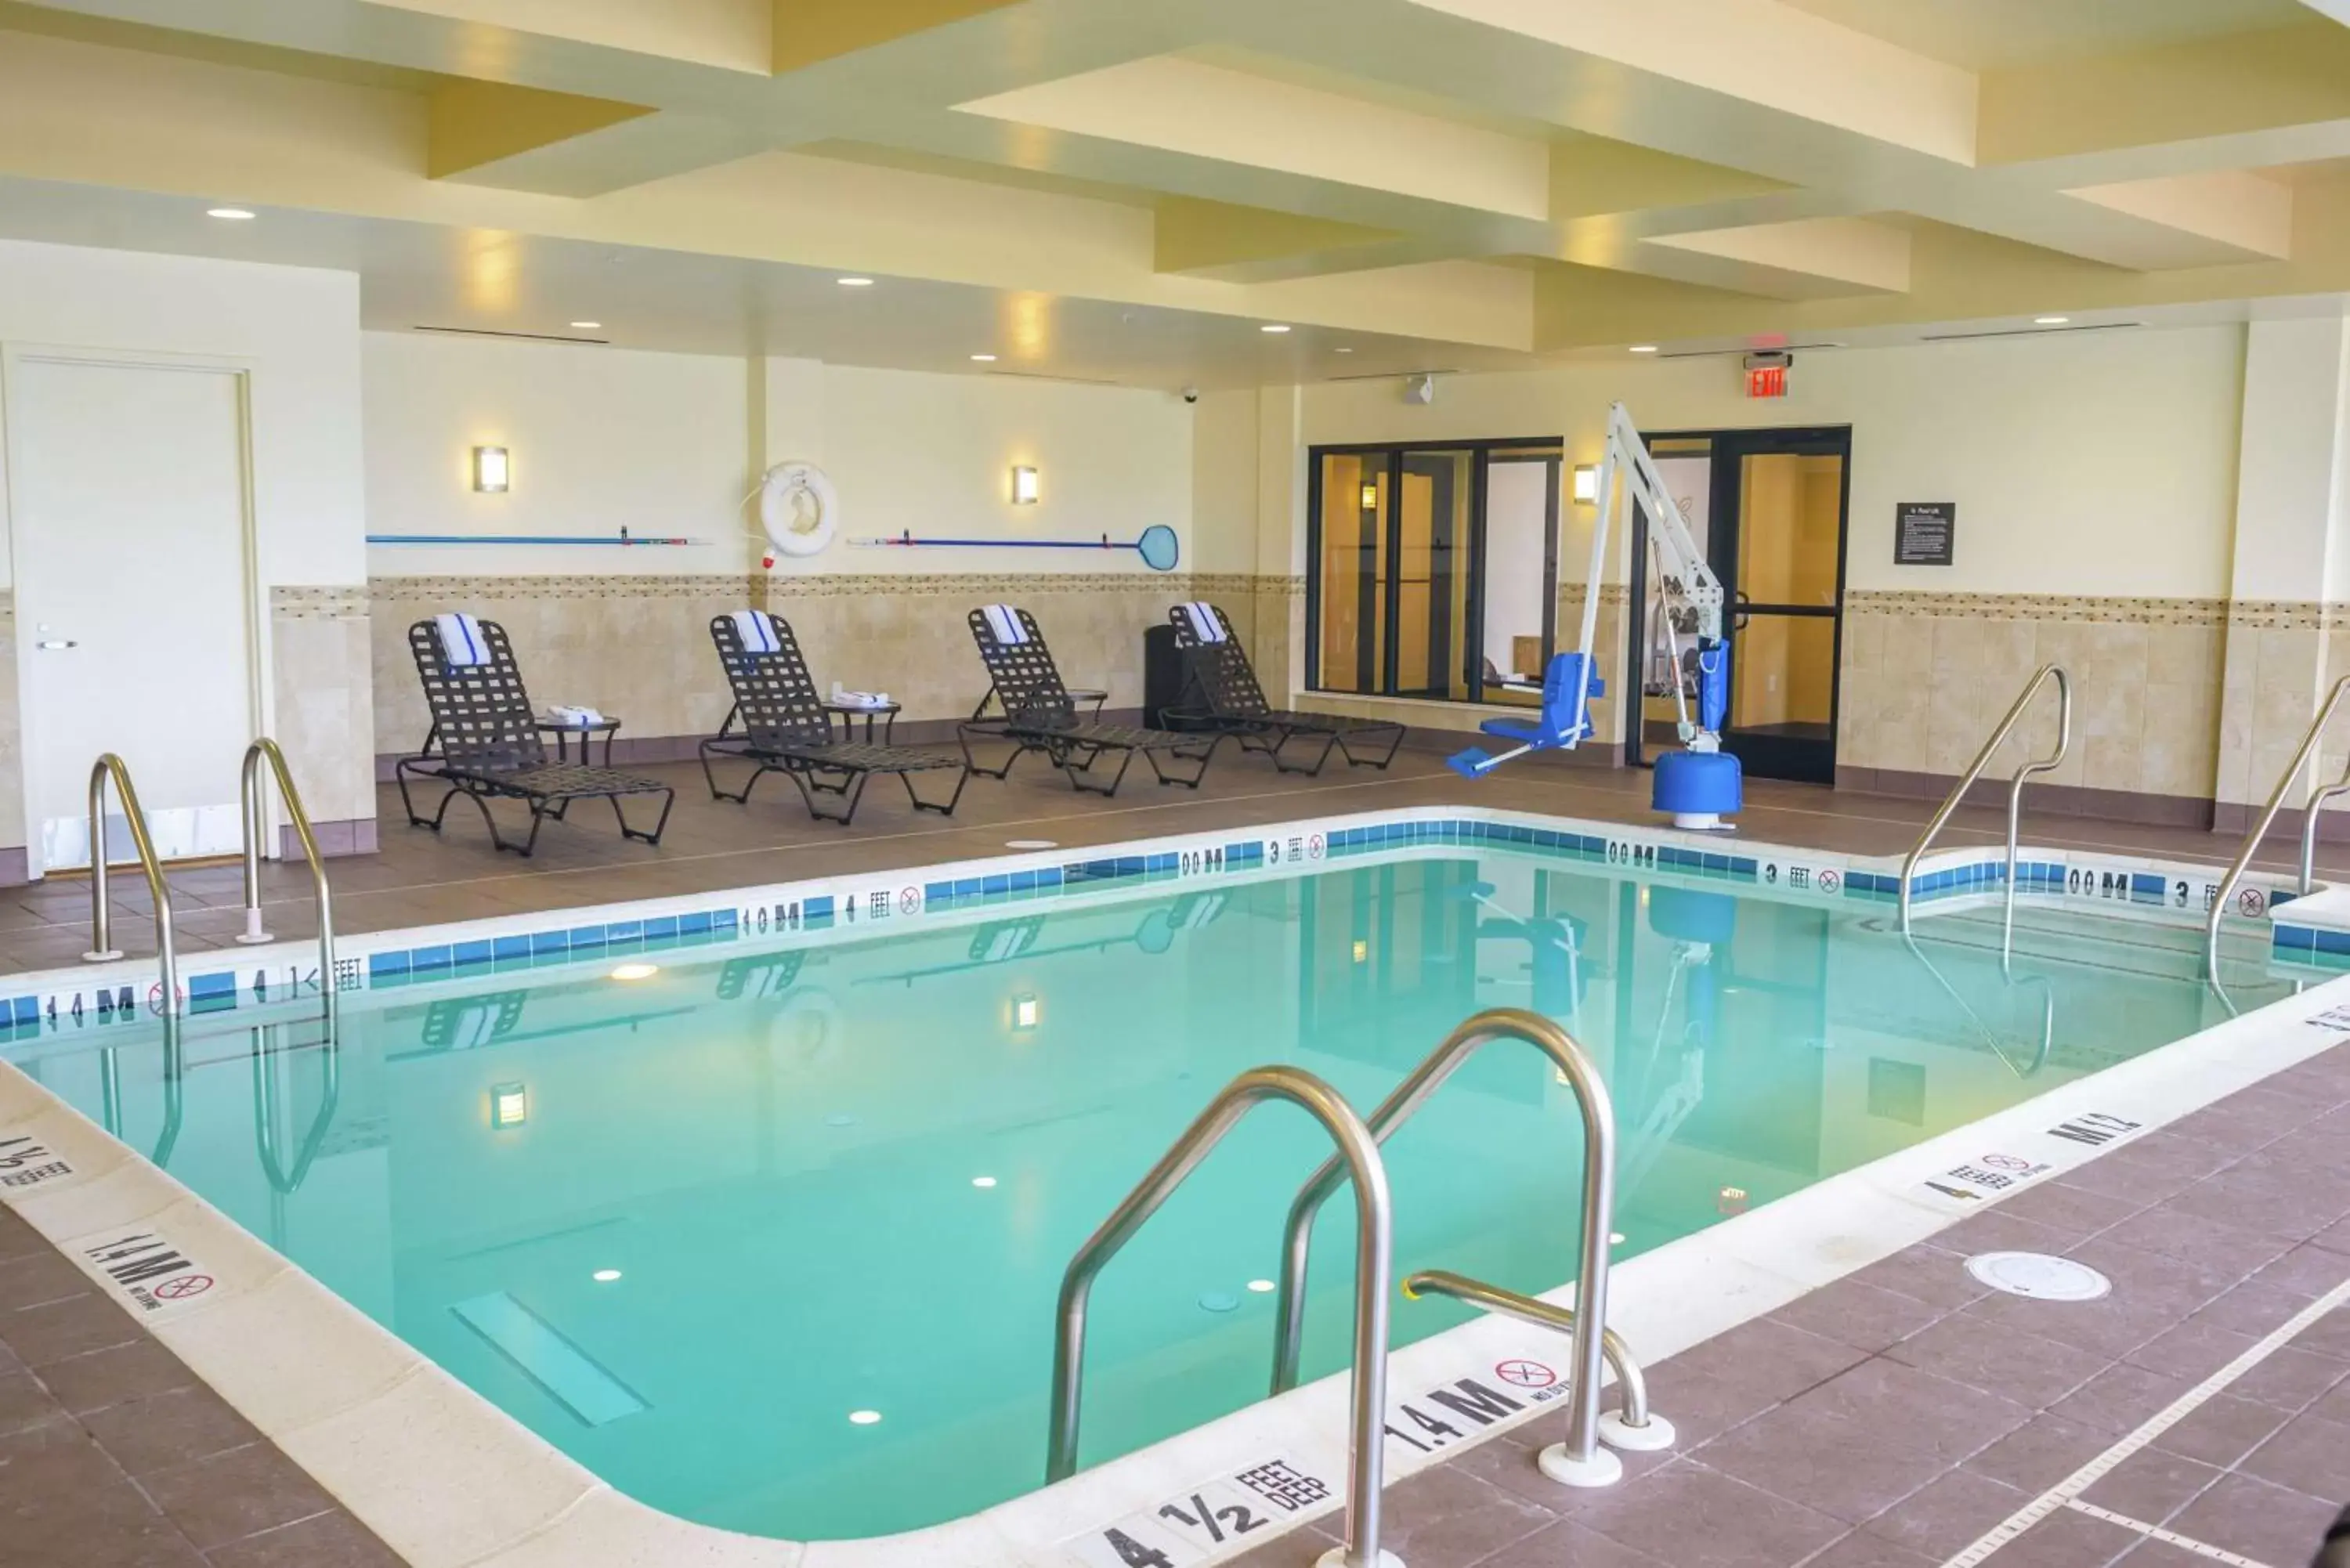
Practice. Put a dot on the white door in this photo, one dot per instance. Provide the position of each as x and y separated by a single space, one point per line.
128 505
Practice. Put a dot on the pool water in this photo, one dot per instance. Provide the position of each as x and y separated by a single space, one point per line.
771 1239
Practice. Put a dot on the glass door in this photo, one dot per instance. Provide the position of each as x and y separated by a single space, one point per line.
1433 568
1780 501
1768 508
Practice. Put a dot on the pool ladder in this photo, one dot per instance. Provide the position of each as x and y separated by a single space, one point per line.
1949 805
1579 1461
110 767
2310 816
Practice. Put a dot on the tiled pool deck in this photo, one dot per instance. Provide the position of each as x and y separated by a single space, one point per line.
1895 1419
1891 1418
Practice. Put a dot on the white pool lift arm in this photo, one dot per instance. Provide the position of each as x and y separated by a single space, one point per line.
1686 584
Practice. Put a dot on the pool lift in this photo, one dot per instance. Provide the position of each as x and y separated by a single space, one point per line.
1700 784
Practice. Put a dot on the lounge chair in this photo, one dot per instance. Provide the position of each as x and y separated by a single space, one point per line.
1220 693
487 735
1039 715
786 730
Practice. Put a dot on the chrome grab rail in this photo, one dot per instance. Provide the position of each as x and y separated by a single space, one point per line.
101 928
1359 1152
249 802
2015 785
2243 860
1543 1314
1581 1448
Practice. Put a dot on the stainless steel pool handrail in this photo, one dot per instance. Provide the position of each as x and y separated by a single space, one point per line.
2015 786
101 937
1359 1153
1599 1201
1533 1310
2237 868
250 805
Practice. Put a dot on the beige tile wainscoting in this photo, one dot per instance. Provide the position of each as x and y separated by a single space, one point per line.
1927 676
326 710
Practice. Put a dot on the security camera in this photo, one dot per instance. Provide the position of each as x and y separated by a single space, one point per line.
1190 394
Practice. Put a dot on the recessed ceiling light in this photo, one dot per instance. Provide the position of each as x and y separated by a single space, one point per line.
855 283
236 214
983 358
982 1181
1273 326
1259 1286
636 971
605 1276
1644 348
2050 321
587 326
863 1418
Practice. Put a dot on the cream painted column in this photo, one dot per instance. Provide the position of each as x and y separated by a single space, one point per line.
2287 638
1281 538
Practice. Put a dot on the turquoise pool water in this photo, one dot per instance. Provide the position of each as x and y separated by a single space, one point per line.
764 1190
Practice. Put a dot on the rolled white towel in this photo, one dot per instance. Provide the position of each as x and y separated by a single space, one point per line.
756 628
1004 623
1207 625
462 646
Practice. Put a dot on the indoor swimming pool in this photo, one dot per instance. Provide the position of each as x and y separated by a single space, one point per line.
767 1234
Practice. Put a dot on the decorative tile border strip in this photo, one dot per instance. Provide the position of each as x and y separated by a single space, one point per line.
2040 608
334 602
1175 586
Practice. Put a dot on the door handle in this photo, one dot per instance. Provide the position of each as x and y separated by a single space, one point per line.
56 644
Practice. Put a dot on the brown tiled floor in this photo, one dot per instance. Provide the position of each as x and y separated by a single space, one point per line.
112 1454
1892 1418
421 878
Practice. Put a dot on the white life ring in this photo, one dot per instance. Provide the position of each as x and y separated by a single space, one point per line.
798 508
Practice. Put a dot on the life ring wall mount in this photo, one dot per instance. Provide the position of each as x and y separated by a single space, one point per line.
799 510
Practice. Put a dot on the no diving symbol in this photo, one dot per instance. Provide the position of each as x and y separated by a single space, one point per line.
1524 1373
2252 900
909 900
1829 881
181 1288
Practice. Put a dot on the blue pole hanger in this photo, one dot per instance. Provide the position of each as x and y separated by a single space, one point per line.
1157 545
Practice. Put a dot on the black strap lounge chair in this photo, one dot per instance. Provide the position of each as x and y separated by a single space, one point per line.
786 730
1040 716
1220 693
490 749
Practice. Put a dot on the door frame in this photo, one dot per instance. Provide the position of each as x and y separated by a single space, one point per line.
1480 451
1808 762
260 694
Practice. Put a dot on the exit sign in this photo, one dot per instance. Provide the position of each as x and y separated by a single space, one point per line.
1766 382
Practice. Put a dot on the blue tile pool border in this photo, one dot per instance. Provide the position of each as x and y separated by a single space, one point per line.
391 961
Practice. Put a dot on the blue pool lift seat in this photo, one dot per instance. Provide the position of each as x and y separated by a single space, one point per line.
1569 686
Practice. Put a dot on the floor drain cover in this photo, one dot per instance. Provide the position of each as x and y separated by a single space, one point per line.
2038 1276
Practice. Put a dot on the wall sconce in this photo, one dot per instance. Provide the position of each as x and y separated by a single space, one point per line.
490 470
1024 1010
1371 498
1024 485
509 1106
1586 483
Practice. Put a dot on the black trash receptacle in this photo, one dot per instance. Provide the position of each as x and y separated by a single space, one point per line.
1162 675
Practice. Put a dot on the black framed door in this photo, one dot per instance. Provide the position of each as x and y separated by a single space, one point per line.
1774 531
1430 578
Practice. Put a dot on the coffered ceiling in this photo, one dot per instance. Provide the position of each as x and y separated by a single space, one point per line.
1417 181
